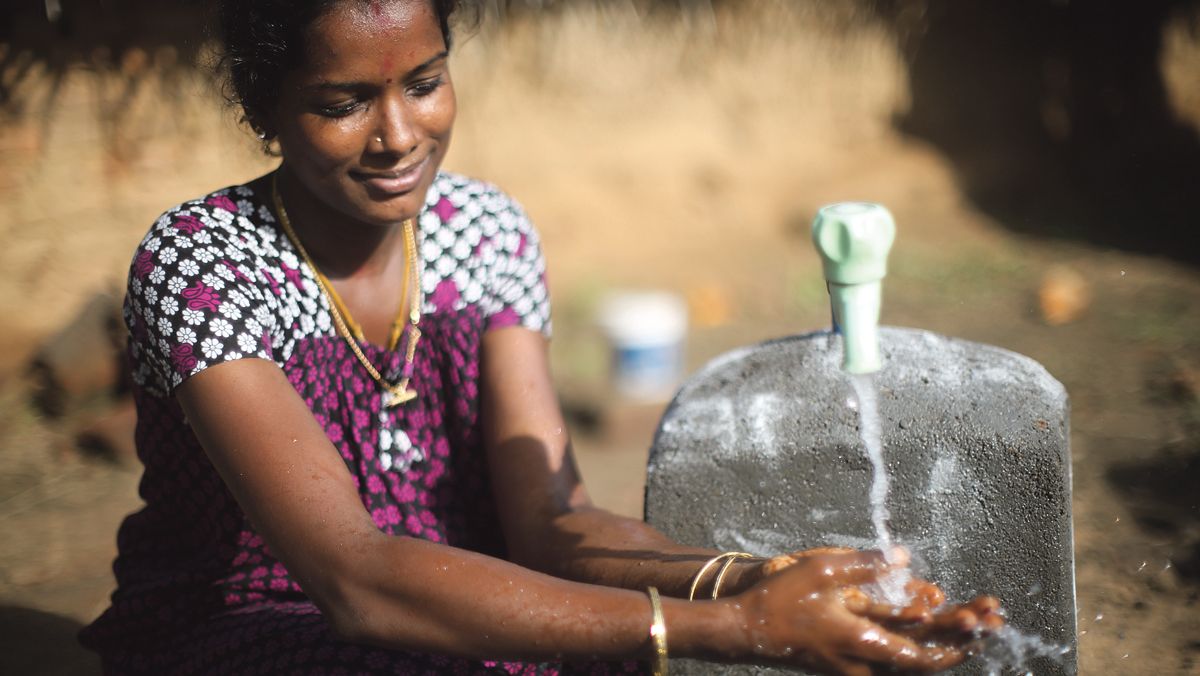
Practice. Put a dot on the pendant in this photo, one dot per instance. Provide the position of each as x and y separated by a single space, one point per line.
396 451
392 398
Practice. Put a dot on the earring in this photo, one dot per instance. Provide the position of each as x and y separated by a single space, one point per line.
262 135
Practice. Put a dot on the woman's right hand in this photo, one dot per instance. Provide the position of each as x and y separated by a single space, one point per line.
812 613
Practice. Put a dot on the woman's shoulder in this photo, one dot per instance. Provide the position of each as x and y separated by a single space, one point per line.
206 285
450 184
463 200
481 248
227 231
234 214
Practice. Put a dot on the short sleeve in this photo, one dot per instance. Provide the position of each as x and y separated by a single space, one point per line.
194 297
516 291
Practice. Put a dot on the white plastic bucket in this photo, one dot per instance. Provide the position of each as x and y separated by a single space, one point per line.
646 332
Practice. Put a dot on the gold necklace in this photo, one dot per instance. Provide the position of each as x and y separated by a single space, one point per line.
392 394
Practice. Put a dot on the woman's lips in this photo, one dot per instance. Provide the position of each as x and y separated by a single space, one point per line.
393 182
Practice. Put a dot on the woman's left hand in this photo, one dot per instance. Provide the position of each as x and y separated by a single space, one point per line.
925 617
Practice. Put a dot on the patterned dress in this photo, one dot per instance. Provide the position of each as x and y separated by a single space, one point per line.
215 279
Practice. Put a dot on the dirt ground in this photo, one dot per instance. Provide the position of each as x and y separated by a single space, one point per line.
676 167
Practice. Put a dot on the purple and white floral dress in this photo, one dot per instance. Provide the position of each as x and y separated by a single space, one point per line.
215 279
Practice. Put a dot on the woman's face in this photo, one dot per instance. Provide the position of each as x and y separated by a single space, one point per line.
365 121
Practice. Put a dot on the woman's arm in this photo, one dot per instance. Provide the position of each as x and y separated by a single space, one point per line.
397 591
549 521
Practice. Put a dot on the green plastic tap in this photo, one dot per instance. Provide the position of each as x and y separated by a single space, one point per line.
853 239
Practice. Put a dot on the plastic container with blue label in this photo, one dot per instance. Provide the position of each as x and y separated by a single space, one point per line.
646 331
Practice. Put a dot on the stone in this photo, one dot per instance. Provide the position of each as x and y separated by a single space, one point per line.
760 452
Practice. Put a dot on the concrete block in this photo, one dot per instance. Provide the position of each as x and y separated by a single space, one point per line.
760 452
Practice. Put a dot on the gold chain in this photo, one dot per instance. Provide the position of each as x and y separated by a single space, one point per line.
393 394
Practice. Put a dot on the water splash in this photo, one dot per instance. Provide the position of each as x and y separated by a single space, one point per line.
1010 650
892 587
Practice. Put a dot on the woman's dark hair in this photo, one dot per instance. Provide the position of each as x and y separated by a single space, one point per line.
263 39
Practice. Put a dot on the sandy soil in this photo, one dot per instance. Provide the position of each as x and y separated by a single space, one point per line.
673 167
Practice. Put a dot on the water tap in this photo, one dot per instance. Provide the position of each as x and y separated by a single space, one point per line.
853 239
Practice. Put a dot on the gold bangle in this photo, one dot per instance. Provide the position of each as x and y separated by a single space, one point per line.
732 558
658 634
708 565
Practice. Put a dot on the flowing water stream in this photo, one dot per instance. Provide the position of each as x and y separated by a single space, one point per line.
1008 650
893 586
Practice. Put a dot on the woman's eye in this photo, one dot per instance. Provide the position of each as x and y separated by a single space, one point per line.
339 109
426 87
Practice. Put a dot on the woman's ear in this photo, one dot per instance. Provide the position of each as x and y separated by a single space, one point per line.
262 130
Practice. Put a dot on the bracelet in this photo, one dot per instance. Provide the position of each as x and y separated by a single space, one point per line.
733 557
658 634
729 558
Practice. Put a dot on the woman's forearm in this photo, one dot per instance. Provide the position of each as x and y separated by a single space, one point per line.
410 594
596 546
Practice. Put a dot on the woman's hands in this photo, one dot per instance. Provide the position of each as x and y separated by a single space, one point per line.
809 609
924 617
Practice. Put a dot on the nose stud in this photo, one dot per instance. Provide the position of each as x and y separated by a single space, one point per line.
379 140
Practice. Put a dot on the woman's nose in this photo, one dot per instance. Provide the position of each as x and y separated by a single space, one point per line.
395 132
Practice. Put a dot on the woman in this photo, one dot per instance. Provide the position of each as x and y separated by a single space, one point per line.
354 459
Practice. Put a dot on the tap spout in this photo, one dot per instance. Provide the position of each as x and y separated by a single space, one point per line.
853 239
856 318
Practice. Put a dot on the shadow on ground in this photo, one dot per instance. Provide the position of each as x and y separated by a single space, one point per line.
1163 494
1056 116
37 642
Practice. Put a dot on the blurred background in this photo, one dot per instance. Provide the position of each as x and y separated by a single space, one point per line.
1041 158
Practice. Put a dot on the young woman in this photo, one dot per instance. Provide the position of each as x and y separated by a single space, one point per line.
354 459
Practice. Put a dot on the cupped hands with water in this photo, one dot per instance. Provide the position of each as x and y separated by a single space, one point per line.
813 609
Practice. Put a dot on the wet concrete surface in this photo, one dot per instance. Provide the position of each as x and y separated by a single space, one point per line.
760 452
